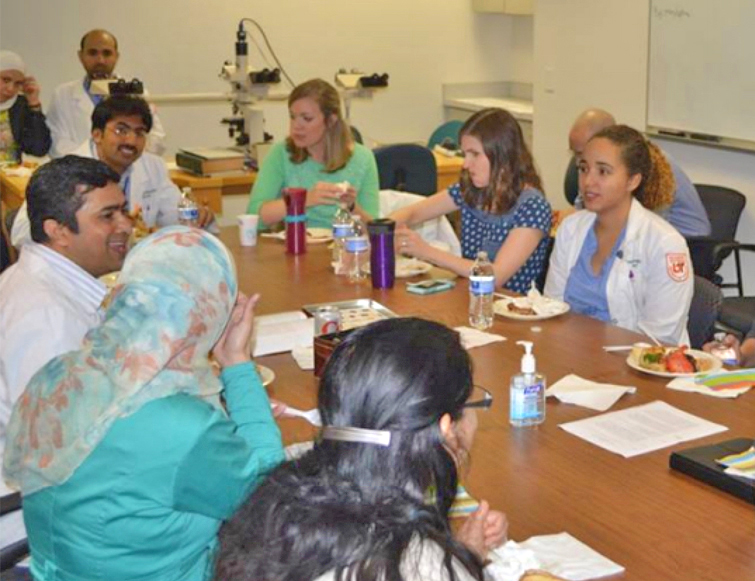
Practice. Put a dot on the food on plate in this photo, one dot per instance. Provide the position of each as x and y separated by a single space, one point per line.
140 229
669 360
521 310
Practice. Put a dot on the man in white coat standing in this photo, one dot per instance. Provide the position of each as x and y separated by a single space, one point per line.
72 103
120 125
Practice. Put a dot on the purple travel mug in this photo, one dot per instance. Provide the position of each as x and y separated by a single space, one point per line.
296 220
382 255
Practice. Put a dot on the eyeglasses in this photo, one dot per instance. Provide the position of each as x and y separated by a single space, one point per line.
123 130
480 398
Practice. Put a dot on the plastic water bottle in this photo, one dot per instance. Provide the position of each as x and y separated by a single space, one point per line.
356 254
188 211
343 227
481 288
527 395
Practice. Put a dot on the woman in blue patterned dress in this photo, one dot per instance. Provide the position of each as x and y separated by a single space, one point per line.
503 208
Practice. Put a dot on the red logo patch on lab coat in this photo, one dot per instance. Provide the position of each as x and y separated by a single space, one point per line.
677 266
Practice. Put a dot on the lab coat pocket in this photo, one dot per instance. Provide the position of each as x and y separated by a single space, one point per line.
149 208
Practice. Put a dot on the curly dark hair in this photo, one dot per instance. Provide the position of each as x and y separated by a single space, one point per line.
511 166
354 508
640 156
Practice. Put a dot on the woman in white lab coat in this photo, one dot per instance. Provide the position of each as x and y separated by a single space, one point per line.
615 260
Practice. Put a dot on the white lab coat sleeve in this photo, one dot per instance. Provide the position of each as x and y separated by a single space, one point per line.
558 268
156 137
61 123
20 232
167 196
667 293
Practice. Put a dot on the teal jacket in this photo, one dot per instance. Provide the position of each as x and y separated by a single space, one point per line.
148 502
278 171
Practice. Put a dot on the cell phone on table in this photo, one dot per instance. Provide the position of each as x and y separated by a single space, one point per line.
428 287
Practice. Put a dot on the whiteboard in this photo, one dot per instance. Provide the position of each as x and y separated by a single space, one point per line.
701 70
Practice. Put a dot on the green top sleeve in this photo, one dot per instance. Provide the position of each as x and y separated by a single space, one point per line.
270 179
230 456
369 187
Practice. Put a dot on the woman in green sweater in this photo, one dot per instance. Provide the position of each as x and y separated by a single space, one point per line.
127 461
319 155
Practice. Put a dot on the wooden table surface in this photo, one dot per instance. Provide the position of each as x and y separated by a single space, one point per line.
659 524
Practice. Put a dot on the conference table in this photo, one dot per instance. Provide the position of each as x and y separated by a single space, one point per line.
659 524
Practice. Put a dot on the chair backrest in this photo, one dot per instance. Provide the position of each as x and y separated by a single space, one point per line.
724 207
407 167
703 312
571 181
448 130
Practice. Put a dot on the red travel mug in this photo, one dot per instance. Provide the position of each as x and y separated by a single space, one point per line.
296 220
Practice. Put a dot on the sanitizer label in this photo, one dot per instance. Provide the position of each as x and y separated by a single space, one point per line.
526 405
481 285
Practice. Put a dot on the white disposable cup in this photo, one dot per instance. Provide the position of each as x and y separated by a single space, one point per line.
248 229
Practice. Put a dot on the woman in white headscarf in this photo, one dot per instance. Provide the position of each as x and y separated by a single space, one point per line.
126 459
22 124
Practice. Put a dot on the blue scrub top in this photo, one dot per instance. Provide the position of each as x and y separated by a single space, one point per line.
585 291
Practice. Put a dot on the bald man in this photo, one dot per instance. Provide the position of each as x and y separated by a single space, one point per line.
70 112
687 213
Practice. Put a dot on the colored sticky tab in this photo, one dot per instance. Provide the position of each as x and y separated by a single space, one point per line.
742 464
741 378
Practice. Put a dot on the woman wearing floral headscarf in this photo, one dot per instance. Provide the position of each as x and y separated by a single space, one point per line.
126 459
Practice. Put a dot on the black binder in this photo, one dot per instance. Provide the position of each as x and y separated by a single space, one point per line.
701 463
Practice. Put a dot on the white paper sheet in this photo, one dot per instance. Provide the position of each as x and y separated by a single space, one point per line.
282 332
577 390
642 429
471 338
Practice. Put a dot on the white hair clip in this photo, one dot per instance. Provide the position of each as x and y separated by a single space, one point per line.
359 435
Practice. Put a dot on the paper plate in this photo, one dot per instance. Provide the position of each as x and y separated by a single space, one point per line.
408 267
500 307
110 280
267 374
715 365
314 235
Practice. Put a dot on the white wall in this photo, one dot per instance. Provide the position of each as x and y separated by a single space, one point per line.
593 53
179 46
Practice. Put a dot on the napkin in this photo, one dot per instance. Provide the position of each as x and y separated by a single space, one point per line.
304 356
726 384
590 394
510 561
565 556
471 338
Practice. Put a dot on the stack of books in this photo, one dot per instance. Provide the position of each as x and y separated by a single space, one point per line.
210 161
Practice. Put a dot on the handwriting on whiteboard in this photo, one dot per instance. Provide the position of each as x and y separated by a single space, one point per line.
677 13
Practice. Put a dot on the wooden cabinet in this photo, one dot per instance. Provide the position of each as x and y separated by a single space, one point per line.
504 6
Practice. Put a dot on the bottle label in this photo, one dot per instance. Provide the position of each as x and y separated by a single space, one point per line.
356 244
188 214
481 285
525 405
341 230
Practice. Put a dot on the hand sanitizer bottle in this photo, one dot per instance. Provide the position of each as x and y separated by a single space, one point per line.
527 404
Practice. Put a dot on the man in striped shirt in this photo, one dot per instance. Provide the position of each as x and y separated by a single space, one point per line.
51 298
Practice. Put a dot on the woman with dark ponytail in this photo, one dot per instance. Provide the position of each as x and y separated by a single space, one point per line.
616 260
370 502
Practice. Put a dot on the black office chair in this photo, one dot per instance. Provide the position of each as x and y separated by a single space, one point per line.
407 167
737 312
12 554
703 312
724 207
540 280
356 134
571 181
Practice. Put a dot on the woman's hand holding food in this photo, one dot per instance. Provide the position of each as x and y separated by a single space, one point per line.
324 193
31 91
233 346
483 530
